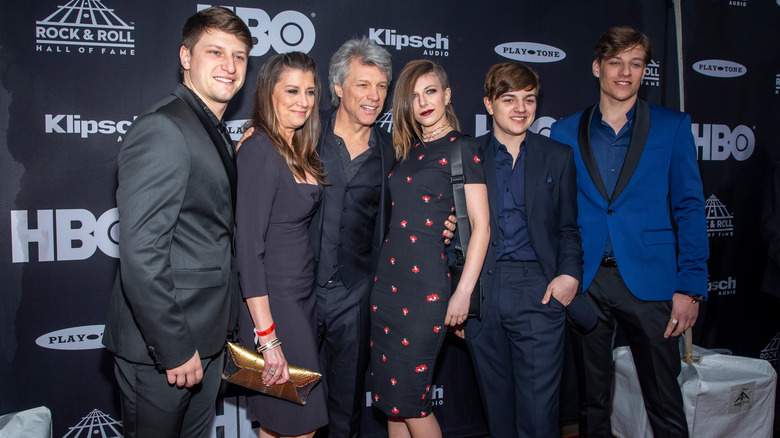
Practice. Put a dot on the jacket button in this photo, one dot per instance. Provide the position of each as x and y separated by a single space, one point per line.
341 229
494 243
609 212
347 189
490 272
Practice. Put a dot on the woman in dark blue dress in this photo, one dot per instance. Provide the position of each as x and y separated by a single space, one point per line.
279 189
410 302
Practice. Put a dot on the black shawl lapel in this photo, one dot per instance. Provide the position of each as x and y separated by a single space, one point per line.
638 139
216 138
586 150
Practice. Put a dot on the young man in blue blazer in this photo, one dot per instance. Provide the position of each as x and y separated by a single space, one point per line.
533 267
644 234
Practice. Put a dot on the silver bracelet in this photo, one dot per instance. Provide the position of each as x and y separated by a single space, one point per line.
269 346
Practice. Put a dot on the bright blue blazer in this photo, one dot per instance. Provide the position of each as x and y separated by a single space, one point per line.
655 216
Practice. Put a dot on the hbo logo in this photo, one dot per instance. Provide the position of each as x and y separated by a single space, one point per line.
287 32
718 142
78 234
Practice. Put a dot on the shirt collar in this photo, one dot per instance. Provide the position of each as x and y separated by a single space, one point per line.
629 115
497 145
212 116
372 139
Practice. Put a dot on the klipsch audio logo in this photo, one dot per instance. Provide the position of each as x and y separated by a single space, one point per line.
96 424
288 31
530 52
652 74
719 142
88 337
719 68
719 220
85 27
722 287
436 45
74 124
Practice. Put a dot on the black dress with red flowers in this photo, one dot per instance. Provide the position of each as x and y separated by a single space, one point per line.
412 285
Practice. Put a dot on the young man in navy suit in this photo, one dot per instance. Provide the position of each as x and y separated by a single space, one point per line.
644 235
534 263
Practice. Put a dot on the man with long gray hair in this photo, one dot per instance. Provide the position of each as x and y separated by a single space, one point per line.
347 231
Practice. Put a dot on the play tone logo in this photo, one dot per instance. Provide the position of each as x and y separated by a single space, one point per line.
530 52
88 337
720 68
84 27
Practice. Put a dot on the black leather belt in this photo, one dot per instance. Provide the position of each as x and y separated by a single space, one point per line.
608 262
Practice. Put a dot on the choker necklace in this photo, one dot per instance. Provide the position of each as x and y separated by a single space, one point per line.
430 135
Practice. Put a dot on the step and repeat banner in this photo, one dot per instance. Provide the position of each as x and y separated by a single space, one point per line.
76 73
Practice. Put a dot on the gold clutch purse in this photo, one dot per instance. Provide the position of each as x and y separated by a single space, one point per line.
244 367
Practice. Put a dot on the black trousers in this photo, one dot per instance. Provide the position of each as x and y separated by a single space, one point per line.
657 359
153 408
343 335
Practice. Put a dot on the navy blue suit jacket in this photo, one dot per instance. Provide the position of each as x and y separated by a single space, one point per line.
551 212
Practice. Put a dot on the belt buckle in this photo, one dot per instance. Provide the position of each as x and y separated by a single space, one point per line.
609 262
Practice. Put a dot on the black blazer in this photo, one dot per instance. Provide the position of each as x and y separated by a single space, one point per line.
364 225
177 287
551 211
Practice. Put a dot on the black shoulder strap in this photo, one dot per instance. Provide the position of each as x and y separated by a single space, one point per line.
459 193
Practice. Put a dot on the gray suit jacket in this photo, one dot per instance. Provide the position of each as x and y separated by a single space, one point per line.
176 289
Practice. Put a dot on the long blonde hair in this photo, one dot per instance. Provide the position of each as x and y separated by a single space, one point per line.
406 130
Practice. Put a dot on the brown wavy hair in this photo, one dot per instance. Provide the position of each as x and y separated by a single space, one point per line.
301 155
619 38
406 130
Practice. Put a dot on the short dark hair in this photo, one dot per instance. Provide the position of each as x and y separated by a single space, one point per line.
507 76
620 38
215 17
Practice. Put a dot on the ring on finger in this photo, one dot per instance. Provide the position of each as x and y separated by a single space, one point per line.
272 372
673 321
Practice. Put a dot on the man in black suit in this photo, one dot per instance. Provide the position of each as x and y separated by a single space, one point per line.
534 262
176 291
347 231
349 227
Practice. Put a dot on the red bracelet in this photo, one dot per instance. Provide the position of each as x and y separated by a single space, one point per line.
267 331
